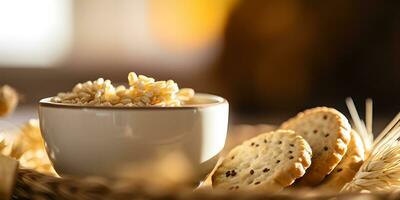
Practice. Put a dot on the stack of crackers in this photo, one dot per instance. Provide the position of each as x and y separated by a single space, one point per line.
317 148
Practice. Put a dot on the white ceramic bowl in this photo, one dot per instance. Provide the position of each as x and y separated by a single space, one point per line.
86 141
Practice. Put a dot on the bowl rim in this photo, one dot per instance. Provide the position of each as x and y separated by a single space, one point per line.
45 102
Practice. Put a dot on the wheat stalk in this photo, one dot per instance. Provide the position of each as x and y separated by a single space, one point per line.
381 170
364 130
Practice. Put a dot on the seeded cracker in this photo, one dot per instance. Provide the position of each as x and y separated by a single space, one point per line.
328 133
348 167
267 162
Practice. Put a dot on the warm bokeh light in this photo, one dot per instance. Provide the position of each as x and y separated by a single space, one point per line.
190 25
34 33
261 55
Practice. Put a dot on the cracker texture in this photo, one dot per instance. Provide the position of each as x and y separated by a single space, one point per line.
348 167
328 133
267 162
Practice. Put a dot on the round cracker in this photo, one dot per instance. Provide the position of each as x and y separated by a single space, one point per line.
348 167
268 162
239 133
328 133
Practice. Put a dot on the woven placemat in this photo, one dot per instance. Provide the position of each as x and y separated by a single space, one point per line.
33 185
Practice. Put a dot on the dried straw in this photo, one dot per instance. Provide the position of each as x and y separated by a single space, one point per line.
381 169
368 114
365 131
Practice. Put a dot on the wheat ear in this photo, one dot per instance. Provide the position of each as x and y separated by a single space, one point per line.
381 170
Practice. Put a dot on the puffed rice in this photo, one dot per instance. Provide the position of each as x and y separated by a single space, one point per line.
142 91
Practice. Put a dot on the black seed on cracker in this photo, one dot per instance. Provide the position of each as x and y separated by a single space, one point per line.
339 170
280 142
233 157
325 148
278 161
315 131
233 173
326 135
290 151
325 117
228 173
266 170
265 141
251 172
291 157
257 145
237 187
256 183
252 144
292 145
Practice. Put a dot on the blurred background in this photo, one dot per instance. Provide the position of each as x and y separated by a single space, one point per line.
269 58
